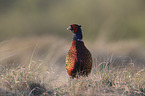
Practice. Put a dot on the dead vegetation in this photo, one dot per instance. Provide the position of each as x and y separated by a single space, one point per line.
36 67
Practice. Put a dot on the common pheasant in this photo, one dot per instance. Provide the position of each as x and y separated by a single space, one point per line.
78 59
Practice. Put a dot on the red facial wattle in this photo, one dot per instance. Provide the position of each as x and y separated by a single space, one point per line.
74 28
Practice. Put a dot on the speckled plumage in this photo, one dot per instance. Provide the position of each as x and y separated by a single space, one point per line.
78 60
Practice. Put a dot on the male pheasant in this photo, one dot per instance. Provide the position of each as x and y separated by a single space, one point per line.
78 59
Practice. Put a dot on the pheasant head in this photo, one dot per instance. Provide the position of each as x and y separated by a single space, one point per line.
77 32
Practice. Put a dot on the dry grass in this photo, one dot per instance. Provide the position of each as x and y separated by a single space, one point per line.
38 69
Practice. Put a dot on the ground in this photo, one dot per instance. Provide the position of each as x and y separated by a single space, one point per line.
36 66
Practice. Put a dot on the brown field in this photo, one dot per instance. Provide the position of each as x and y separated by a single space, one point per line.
36 67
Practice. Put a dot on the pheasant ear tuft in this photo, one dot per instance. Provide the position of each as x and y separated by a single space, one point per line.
80 26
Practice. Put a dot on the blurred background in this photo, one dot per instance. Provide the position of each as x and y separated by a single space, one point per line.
110 28
115 19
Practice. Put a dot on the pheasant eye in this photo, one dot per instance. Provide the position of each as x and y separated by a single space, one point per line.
74 27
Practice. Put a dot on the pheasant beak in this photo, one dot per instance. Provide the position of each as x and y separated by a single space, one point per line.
69 28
